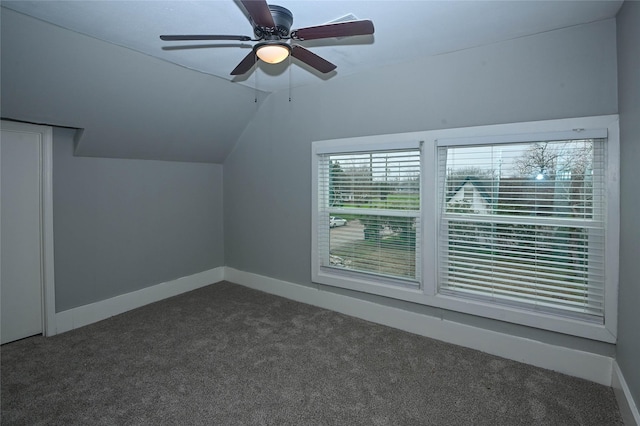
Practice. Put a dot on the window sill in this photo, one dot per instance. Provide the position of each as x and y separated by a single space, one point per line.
526 317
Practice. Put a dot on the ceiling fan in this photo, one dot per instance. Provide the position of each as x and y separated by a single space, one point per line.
272 29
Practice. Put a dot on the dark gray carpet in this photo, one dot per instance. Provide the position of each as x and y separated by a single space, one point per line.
229 355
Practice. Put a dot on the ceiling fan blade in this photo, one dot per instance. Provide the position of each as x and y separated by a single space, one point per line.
259 11
339 29
246 64
311 59
204 37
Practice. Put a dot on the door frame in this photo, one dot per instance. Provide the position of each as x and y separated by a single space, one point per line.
45 135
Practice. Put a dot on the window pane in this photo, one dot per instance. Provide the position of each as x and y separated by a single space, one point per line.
384 245
523 223
370 202
552 179
548 266
380 180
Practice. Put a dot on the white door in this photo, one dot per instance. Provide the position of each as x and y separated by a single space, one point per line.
21 271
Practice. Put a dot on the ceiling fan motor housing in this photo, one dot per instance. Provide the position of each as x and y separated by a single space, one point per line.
283 19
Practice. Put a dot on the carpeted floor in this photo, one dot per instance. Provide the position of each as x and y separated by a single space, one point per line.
229 355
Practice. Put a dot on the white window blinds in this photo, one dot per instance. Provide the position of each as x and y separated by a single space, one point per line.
523 224
369 213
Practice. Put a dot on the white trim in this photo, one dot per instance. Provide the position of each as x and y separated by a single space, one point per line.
612 223
365 144
541 320
98 311
527 137
586 365
525 128
46 219
628 407
47 234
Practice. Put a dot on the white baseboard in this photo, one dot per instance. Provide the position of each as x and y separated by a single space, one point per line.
98 311
627 405
586 365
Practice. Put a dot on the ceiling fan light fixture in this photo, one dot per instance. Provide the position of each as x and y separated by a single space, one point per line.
272 52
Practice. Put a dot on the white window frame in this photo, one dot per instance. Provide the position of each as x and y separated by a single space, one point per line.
427 292
354 280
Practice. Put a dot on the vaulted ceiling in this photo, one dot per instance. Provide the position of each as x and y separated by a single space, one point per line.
101 67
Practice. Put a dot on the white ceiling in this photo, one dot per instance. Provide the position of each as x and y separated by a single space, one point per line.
404 30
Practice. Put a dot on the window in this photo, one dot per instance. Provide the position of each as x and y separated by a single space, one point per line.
368 210
534 237
515 222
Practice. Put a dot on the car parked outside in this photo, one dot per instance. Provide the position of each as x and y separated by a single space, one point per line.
336 221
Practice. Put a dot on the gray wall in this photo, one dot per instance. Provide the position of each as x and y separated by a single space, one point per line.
267 188
130 105
628 349
121 225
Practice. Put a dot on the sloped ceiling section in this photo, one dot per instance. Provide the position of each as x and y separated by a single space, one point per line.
126 104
